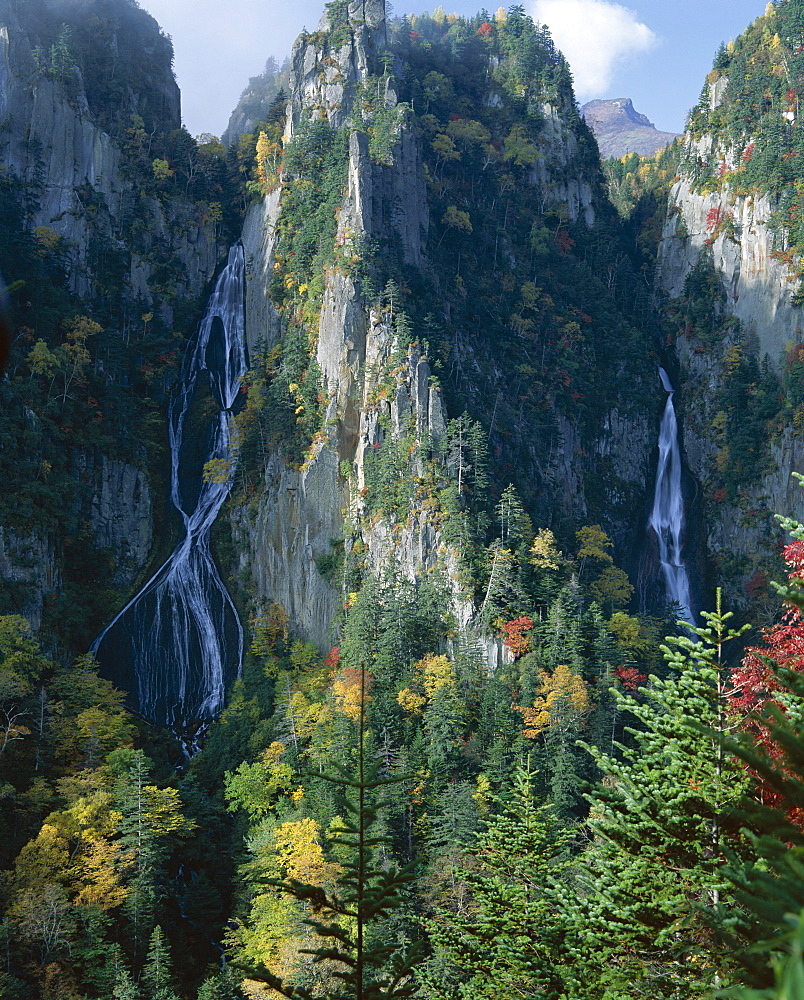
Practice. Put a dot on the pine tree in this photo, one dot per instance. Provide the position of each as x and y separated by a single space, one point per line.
350 918
124 986
507 941
156 975
222 986
659 822
151 818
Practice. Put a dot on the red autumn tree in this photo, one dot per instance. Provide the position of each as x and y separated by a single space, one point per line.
514 637
756 684
714 218
630 678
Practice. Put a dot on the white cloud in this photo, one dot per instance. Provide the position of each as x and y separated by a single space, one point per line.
596 37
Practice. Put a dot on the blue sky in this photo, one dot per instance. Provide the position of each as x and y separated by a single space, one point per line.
657 52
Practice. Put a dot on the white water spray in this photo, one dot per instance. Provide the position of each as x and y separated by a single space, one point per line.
667 516
180 639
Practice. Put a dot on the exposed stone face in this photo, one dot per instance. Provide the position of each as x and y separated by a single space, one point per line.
368 12
301 512
29 560
759 288
758 291
258 246
297 516
624 445
121 518
54 147
324 80
563 183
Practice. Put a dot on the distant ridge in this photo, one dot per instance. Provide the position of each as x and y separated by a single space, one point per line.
620 129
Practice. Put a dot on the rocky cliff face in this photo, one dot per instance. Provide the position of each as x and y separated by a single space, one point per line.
558 172
718 232
620 129
735 230
53 143
374 391
69 139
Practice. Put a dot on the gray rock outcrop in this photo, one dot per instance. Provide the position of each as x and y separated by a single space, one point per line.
80 190
54 146
758 287
620 129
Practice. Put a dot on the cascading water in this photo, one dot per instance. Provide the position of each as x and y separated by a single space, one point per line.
667 516
179 640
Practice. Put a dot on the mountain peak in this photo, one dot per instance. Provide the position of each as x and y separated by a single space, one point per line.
619 128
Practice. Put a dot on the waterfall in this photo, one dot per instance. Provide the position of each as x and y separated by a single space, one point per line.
179 641
667 516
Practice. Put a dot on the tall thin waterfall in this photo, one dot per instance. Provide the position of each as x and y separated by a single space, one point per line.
667 516
179 640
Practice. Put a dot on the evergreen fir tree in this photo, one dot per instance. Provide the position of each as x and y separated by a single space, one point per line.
222 986
156 975
124 986
659 821
507 941
349 919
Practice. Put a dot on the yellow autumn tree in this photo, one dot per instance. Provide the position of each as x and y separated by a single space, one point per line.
455 218
273 935
593 543
560 705
97 857
77 850
269 629
299 854
269 156
612 588
47 240
410 701
431 673
436 672
349 689
75 353
544 552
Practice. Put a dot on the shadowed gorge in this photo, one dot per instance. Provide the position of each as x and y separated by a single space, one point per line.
179 642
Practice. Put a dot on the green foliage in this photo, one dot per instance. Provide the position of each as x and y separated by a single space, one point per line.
350 918
788 970
223 986
660 821
758 144
315 163
156 974
632 178
511 940
638 187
